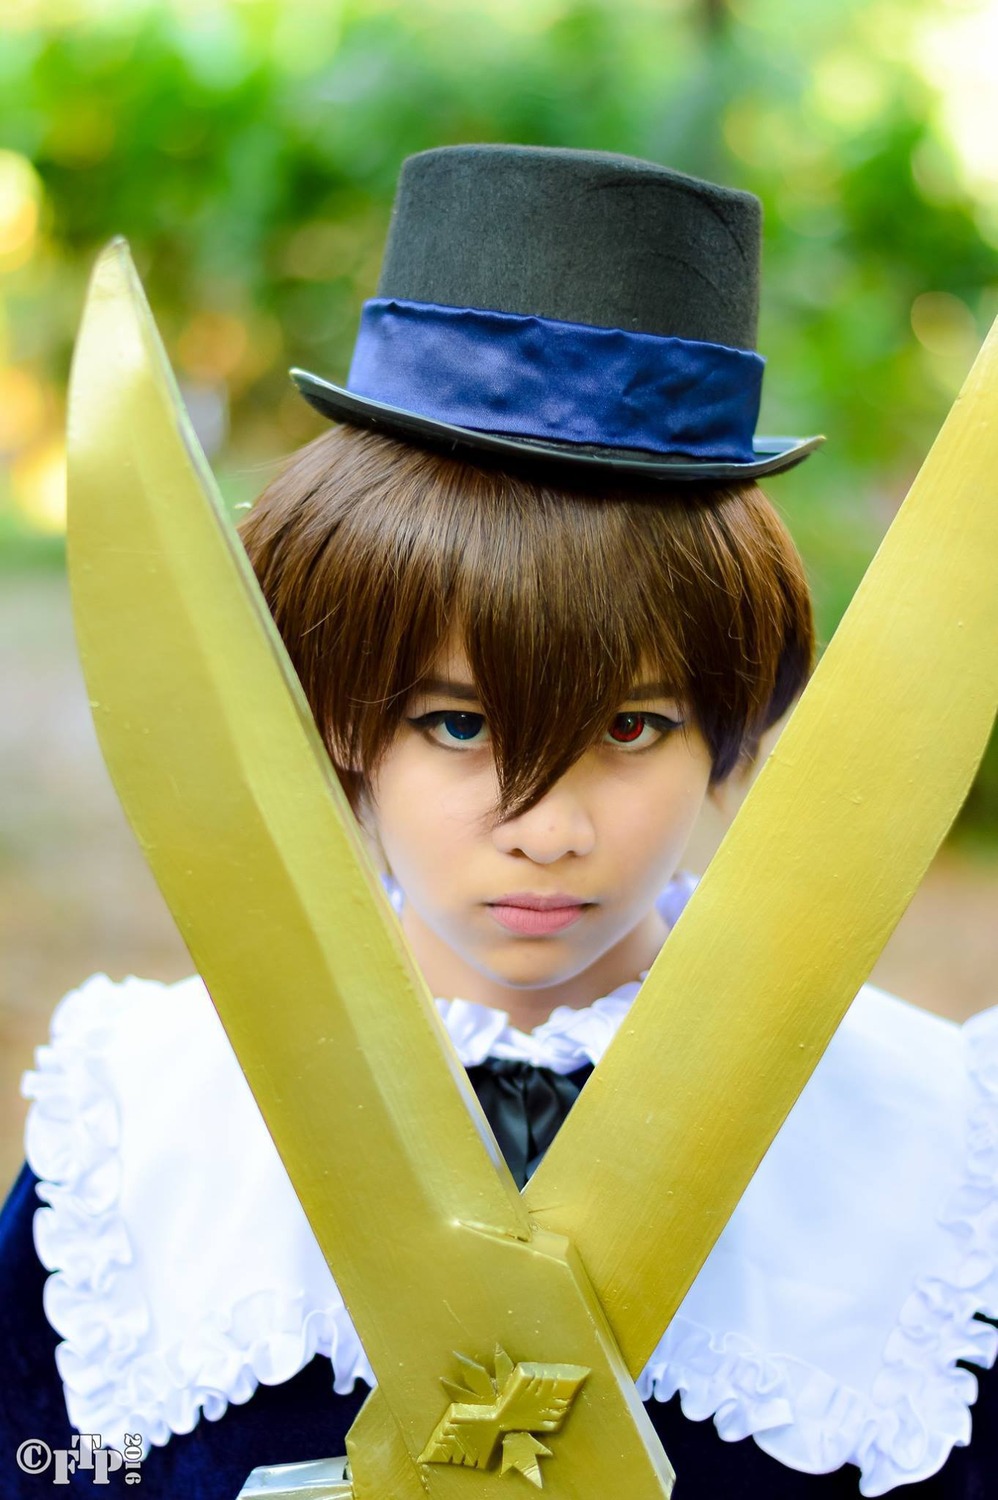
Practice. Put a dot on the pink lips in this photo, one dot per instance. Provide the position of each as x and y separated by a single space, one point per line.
537 916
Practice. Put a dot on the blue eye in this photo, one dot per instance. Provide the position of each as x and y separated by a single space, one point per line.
462 726
453 728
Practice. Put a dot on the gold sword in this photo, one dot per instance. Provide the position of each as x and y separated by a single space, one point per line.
222 773
626 1273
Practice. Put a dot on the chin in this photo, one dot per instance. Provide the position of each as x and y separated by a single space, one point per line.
532 970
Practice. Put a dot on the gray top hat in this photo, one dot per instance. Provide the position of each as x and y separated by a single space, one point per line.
569 310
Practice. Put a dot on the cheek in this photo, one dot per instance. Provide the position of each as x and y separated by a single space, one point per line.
428 812
652 825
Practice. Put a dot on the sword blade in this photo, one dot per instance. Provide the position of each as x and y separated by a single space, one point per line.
220 769
815 872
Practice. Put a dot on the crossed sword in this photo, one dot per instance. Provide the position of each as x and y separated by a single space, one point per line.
546 1304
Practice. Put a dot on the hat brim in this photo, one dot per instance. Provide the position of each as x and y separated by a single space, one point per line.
773 454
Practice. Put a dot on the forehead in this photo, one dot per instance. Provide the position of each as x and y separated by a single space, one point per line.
449 666
451 660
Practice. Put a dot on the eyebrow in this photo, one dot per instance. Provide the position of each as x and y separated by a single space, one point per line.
446 687
467 692
644 692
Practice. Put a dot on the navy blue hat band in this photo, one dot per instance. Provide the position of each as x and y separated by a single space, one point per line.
563 382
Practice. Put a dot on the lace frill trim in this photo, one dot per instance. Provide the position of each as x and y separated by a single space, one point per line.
901 1433
918 1409
113 1382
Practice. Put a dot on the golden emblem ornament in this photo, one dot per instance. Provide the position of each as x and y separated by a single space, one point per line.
505 1409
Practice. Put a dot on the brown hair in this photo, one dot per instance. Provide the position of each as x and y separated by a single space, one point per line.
369 551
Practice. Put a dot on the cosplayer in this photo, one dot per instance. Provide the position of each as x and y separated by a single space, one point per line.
540 610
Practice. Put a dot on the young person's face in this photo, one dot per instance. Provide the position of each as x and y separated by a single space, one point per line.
596 850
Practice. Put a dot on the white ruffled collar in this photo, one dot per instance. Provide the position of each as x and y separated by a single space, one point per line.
565 1041
827 1322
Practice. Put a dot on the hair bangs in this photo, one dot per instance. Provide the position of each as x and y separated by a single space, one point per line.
556 629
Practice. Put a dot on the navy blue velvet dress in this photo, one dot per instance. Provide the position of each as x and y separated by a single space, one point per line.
303 1419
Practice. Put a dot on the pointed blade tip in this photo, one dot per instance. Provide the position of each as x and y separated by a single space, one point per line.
114 258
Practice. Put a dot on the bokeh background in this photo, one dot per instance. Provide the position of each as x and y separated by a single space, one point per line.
249 151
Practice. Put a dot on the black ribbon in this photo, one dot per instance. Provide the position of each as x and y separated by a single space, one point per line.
526 1107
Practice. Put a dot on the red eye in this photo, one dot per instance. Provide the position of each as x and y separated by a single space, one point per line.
627 727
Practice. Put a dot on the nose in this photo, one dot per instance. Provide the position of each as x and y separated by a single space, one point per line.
558 825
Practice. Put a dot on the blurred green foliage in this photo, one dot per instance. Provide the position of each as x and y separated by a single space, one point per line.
249 153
